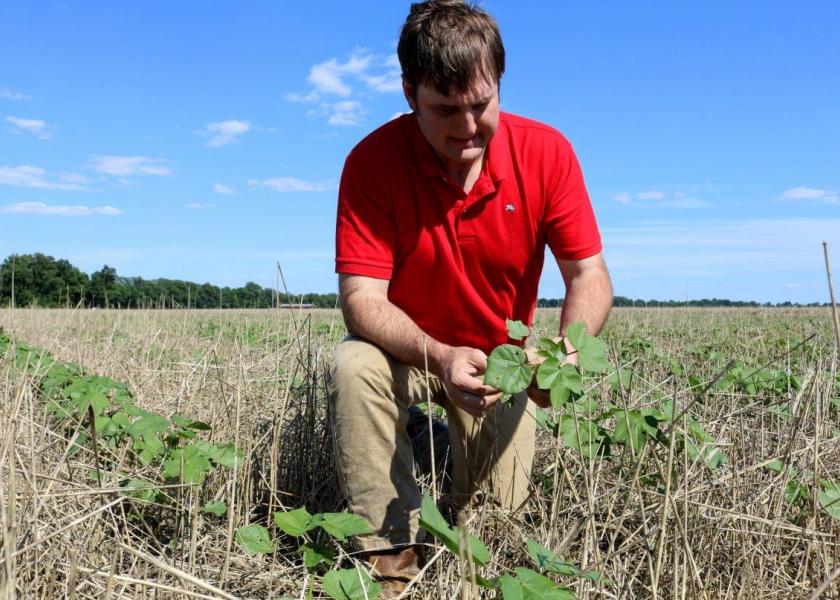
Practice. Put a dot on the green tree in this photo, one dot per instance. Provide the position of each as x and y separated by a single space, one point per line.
103 285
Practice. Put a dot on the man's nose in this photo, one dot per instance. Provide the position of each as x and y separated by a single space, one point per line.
467 126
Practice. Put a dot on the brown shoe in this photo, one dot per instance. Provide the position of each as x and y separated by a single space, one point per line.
394 568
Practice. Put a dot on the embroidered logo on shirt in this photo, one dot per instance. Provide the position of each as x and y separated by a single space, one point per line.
509 207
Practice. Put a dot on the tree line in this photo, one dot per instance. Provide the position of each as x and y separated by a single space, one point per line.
41 280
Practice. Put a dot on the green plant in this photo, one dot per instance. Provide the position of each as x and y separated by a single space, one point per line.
318 550
99 411
580 422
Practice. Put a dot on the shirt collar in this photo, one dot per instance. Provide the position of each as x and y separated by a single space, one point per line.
497 153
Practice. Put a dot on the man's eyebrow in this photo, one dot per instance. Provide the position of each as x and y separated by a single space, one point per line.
442 105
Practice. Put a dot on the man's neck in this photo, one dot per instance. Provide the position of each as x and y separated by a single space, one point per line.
465 175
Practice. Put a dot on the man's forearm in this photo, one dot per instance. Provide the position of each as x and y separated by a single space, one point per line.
588 298
379 321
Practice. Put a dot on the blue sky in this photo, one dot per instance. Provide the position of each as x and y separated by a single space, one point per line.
204 141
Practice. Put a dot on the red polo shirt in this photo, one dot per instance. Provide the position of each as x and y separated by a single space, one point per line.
460 264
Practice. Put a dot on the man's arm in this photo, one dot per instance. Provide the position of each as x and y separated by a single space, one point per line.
369 314
589 293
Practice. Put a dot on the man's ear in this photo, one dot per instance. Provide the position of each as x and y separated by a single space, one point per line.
410 94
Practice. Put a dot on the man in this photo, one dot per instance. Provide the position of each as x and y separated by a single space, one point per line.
443 218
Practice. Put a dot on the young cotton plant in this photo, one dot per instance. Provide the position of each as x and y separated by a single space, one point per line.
508 368
318 553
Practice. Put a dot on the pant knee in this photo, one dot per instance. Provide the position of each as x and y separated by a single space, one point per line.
357 363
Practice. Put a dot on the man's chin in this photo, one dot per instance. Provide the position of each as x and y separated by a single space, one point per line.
467 155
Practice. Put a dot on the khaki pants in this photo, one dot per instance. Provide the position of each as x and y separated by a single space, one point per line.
370 395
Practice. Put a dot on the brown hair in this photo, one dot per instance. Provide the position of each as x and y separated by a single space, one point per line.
450 44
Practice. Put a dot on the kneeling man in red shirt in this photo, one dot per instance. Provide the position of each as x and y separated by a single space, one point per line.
443 219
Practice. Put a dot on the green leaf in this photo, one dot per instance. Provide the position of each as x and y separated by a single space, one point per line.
795 492
517 330
591 352
546 560
623 376
315 554
545 421
148 425
188 463
254 539
585 437
140 490
121 420
215 507
149 448
226 454
293 522
507 369
189 423
78 443
350 584
530 585
708 453
432 521
777 466
634 425
829 499
548 348
592 355
340 525
575 333
561 380
511 588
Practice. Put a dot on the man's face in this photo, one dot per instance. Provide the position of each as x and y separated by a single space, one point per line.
458 126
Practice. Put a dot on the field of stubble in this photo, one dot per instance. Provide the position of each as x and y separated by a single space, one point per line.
751 516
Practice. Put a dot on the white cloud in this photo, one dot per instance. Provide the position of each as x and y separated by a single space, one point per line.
29 176
804 193
39 208
328 77
226 132
8 94
390 80
129 165
312 96
333 78
36 127
290 184
651 195
199 205
660 200
346 112
220 188
74 178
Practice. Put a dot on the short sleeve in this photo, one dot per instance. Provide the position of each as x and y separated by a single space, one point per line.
364 232
570 226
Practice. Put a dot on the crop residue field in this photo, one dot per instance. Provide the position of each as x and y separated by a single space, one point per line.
167 453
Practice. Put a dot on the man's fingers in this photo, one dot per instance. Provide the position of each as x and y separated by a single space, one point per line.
476 386
470 403
477 405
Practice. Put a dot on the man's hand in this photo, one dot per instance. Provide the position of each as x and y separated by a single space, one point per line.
460 370
541 397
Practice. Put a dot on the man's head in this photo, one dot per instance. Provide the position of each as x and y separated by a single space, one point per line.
448 45
452 60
